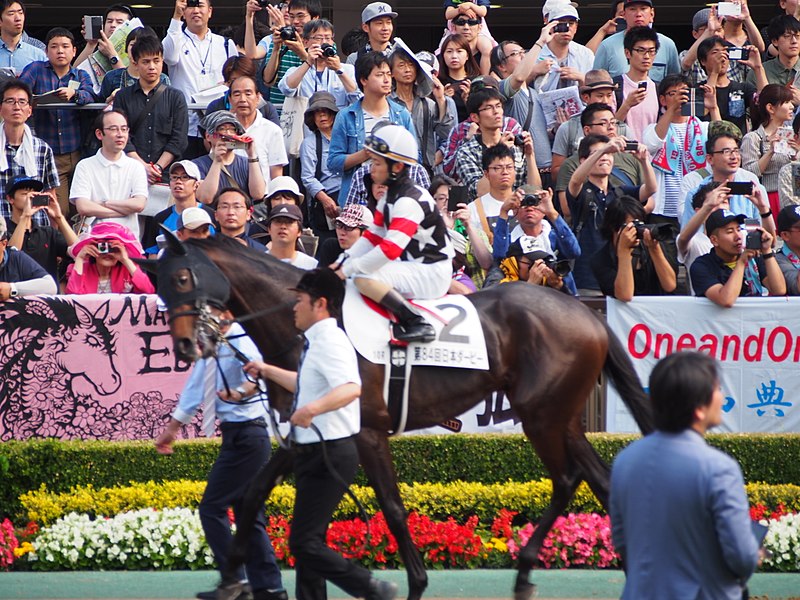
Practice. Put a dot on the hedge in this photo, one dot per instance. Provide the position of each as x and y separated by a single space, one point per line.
439 501
61 465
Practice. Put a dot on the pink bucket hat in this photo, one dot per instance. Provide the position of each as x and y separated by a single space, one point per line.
109 230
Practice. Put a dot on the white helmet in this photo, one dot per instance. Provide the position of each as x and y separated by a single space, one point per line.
394 143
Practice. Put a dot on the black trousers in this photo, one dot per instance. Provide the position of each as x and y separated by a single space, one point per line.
318 495
245 448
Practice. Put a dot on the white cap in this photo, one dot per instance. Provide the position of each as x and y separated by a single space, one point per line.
284 184
192 218
558 9
192 170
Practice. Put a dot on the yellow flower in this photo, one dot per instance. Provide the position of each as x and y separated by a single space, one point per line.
23 549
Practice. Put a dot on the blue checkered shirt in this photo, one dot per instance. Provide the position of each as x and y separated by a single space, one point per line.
45 172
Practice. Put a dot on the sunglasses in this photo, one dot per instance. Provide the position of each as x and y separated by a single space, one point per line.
471 22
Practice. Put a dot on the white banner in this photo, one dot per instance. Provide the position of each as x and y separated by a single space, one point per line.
757 344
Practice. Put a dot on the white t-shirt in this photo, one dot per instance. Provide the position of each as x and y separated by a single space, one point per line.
491 208
302 260
99 180
268 138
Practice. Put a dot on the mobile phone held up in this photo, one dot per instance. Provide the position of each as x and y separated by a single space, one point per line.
738 54
92 26
694 107
752 239
40 200
740 188
458 195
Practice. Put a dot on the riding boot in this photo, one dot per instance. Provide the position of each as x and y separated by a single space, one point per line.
411 326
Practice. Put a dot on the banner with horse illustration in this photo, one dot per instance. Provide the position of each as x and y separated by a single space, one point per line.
757 344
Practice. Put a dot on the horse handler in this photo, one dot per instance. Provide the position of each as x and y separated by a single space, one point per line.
245 448
325 420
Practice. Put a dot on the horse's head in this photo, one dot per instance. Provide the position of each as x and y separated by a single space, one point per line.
193 288
88 350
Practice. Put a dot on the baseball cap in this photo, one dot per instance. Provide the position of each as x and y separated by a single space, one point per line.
287 211
632 2
192 218
284 183
192 170
428 58
597 79
789 216
375 10
23 182
720 218
700 19
528 247
355 215
559 9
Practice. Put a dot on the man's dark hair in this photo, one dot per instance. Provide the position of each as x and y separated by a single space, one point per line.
146 45
137 33
16 84
314 7
247 200
587 116
238 66
707 45
617 213
315 25
585 145
679 384
711 142
6 4
365 65
400 54
493 153
477 98
671 81
699 196
782 24
634 35
59 32
353 40
100 120
118 8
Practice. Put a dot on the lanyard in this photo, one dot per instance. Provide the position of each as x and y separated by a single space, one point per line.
203 61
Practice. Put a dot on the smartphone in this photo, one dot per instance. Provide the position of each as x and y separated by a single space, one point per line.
622 24
752 239
736 53
458 195
40 200
642 85
796 179
92 26
740 188
561 27
694 107
631 146
729 9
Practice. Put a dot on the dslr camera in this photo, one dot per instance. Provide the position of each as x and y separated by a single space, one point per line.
288 34
519 140
530 200
328 50
263 3
192 3
660 232
559 267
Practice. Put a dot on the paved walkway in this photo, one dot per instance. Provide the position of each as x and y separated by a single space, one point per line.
485 584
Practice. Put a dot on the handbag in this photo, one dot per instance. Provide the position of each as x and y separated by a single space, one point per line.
292 122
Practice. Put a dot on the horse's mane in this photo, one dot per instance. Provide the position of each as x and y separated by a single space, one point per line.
262 263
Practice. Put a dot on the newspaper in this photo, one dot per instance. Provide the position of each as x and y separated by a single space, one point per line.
52 97
100 63
566 98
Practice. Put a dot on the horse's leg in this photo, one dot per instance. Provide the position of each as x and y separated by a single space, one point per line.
265 480
376 460
593 469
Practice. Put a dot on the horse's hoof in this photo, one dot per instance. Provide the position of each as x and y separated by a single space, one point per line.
525 591
229 590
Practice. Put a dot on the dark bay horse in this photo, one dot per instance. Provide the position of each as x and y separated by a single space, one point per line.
546 351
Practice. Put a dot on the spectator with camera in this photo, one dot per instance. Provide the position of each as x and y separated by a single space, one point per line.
543 229
377 21
755 272
115 15
498 164
110 186
354 123
637 101
486 109
789 255
590 193
321 69
633 261
15 52
610 53
60 128
283 49
195 55
103 263
222 167
572 60
159 116
20 275
46 245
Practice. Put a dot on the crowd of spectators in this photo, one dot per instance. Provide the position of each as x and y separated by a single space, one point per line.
618 167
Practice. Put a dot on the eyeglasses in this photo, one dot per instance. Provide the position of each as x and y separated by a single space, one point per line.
13 101
298 16
645 51
321 38
605 123
117 129
231 207
470 22
728 152
514 53
492 107
376 144
502 168
180 178
791 36
343 227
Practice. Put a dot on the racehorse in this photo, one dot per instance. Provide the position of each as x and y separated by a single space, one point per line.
546 351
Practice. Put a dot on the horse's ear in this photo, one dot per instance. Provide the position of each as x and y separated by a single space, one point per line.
173 243
85 318
102 311
147 264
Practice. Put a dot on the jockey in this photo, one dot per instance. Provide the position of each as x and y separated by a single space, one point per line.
406 253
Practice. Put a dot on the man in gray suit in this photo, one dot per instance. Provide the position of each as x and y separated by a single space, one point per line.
679 513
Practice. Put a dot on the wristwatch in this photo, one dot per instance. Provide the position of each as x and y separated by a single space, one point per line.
114 60
339 72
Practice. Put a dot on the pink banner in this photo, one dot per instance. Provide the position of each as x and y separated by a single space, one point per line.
87 367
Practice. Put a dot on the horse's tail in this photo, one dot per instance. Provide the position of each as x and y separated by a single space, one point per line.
619 369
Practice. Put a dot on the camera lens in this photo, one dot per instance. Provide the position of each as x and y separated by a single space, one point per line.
328 50
530 200
288 33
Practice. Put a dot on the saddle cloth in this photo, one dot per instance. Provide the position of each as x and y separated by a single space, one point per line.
459 336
